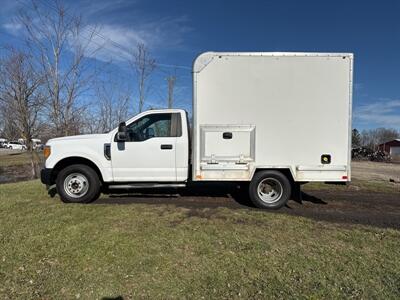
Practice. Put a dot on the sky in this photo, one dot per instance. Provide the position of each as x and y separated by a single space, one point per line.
177 31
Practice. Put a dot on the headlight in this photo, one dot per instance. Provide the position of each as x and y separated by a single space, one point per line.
46 151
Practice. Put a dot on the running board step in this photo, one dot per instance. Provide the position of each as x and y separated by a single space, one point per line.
146 185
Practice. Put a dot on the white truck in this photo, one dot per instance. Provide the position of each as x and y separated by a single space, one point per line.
269 121
15 145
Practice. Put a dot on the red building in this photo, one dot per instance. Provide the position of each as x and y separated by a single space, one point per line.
392 147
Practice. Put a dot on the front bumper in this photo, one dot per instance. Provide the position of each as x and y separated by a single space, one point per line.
45 176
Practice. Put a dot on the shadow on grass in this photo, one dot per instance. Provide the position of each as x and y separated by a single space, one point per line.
310 198
194 196
204 195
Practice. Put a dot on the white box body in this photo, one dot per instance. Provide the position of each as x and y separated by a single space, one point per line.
277 110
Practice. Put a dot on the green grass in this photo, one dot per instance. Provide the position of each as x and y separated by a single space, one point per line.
18 158
52 250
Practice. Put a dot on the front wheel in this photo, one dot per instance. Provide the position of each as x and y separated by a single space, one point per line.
78 184
270 189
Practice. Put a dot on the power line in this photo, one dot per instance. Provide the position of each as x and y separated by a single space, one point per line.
116 44
48 4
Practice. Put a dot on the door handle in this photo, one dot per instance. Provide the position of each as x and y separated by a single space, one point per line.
166 147
227 135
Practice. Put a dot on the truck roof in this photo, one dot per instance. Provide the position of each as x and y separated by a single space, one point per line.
161 110
204 58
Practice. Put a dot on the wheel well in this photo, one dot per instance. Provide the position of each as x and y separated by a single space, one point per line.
73 161
284 171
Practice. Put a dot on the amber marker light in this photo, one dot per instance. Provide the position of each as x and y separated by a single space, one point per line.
46 151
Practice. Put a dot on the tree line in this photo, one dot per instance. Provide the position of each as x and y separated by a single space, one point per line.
52 86
372 138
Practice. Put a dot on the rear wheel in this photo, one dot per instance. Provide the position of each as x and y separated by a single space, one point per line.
78 184
270 189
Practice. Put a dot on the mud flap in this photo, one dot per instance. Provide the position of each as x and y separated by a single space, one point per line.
296 193
51 190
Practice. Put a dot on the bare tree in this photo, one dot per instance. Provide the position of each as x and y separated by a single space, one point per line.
386 134
373 137
20 93
143 65
90 124
171 85
61 45
355 138
21 97
7 122
113 102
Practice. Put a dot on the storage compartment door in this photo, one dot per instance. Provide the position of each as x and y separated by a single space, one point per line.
228 143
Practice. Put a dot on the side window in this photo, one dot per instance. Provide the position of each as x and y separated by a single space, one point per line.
154 125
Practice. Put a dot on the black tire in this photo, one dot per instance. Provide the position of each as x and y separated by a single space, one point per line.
92 185
281 190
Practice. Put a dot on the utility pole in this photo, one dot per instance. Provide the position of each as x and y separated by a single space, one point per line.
171 84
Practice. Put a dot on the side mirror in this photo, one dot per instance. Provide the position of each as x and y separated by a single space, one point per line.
121 135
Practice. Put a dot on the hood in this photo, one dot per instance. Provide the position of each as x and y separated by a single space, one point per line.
78 138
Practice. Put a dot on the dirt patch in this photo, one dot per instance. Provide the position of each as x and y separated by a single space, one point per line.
16 165
15 173
355 207
367 170
347 207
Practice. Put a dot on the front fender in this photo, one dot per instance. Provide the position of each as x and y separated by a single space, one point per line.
101 162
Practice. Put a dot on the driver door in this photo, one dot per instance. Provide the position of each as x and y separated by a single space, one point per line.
148 154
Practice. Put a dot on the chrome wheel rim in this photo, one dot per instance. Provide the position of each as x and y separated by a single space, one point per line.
76 185
270 190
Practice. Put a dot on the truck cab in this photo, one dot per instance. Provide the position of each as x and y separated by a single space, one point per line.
150 149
